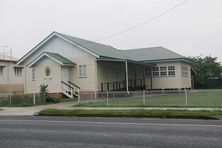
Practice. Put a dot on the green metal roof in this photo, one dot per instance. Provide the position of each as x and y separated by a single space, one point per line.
141 54
151 54
60 58
97 48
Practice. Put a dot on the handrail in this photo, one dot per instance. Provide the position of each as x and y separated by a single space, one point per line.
67 84
74 85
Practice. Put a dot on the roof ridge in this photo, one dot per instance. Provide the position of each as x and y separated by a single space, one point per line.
141 48
86 40
95 47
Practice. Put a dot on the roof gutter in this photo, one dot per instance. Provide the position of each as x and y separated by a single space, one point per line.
168 60
124 60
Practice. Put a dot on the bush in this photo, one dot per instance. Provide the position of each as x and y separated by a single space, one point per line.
44 91
4 102
51 100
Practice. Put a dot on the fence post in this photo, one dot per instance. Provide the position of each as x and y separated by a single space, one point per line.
186 95
107 98
34 98
10 98
144 98
78 98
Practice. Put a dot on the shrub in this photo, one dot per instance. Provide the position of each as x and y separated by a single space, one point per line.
44 91
51 100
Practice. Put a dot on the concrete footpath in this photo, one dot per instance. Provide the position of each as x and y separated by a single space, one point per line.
15 111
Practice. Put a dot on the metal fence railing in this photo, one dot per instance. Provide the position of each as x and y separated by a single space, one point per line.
20 99
155 98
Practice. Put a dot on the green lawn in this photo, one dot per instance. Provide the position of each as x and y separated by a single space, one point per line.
202 98
133 113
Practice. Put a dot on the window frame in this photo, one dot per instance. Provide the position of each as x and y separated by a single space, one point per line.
33 74
18 71
82 71
169 70
184 71
156 70
163 71
1 70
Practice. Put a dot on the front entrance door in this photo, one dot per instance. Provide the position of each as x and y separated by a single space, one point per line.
65 74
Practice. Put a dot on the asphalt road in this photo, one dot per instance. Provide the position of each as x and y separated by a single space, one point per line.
29 131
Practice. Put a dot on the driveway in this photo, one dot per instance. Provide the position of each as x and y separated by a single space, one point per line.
33 109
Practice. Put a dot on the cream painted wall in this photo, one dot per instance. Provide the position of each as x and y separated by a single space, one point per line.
171 82
71 52
8 76
89 82
9 82
53 80
186 81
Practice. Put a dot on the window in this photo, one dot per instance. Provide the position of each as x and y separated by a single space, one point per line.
163 71
184 71
1 70
82 70
47 71
147 71
156 71
18 71
33 74
171 71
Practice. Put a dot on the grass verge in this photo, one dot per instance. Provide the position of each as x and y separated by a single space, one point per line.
133 113
27 102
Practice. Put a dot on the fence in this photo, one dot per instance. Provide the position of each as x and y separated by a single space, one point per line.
19 99
155 98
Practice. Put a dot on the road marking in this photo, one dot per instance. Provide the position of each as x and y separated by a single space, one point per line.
117 123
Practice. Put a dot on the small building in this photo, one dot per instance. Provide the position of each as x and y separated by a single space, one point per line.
66 63
11 75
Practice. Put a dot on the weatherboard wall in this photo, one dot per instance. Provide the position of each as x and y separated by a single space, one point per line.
53 80
69 51
9 82
172 82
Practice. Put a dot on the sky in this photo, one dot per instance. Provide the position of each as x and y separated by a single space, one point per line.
193 29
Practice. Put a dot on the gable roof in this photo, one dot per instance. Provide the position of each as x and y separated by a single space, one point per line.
55 57
105 51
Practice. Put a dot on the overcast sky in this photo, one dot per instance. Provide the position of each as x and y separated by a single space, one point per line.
192 29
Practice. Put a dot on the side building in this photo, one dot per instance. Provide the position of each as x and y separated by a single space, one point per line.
11 75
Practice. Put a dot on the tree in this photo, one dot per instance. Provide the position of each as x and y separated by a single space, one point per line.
206 68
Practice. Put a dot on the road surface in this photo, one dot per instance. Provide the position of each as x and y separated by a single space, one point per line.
53 132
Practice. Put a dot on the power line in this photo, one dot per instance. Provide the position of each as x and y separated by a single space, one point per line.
144 22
